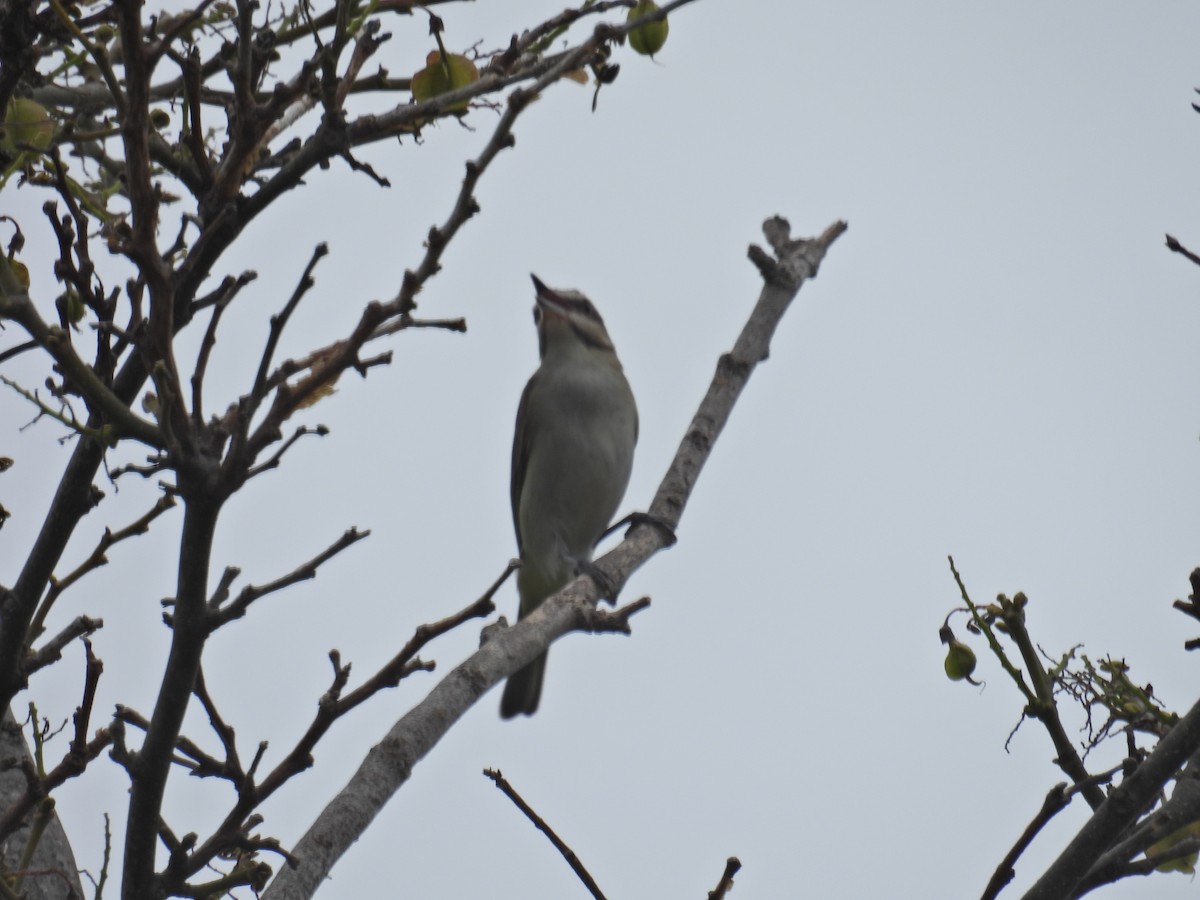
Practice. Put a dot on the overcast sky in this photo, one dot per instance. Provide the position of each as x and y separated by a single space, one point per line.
998 361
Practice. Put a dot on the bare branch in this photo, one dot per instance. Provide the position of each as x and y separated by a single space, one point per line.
389 764
233 765
1181 810
1056 801
732 866
224 295
100 397
6 355
331 707
97 559
51 652
79 755
540 824
273 461
1175 247
219 616
278 323
1123 805
459 325
1191 606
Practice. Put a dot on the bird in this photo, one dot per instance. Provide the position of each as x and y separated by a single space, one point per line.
577 426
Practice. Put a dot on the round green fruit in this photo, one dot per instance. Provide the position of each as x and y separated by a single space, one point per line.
960 661
647 39
27 122
442 75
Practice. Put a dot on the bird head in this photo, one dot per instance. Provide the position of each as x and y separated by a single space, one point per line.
568 322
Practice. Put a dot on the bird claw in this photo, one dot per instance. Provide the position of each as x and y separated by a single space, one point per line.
604 585
635 519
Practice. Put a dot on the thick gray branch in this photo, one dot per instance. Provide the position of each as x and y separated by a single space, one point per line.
389 764
57 877
1122 808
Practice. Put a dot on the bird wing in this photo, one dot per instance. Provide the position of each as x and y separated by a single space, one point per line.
522 441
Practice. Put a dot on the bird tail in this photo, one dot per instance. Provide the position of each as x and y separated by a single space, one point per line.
523 690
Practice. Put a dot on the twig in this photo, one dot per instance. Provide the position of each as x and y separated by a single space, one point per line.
1120 809
1181 810
279 323
332 707
458 325
1056 800
1039 698
390 674
540 824
224 296
273 461
1191 606
1045 709
79 755
6 355
388 766
97 559
51 651
68 418
233 764
20 308
725 885
1176 247
218 616
191 757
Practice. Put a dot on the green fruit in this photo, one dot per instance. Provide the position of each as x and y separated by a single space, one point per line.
22 272
442 75
27 122
70 306
647 39
1185 864
960 661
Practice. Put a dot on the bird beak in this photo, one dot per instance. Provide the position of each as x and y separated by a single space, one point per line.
547 300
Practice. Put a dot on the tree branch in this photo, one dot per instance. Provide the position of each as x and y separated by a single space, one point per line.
98 558
389 764
331 707
540 824
1175 247
220 615
732 866
1123 806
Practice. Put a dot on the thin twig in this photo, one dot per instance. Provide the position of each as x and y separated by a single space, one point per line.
274 460
224 731
332 707
96 559
278 324
51 651
303 572
1056 800
540 824
1176 247
226 293
79 755
725 885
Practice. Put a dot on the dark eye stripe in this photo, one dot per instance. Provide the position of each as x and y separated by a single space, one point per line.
585 307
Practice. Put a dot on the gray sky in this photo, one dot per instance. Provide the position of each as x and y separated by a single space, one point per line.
997 361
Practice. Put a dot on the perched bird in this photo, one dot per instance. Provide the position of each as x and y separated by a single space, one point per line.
572 453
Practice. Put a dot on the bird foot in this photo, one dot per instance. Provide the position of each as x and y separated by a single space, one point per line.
604 585
643 518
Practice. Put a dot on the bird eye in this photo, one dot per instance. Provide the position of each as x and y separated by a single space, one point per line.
537 315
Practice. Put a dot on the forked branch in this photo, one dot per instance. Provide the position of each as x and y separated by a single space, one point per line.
389 764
